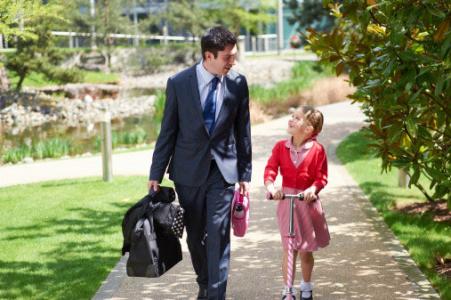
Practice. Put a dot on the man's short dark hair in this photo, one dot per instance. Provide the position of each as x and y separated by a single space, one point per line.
216 39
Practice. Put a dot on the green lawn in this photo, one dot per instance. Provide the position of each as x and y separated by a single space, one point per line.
303 75
423 238
60 239
100 77
37 80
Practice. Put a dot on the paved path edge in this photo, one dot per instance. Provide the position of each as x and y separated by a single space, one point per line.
400 254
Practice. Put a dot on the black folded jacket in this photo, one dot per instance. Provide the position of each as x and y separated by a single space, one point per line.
152 248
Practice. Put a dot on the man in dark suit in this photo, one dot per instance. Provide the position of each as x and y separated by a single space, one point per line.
206 140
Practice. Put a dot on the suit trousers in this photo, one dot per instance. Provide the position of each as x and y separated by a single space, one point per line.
207 220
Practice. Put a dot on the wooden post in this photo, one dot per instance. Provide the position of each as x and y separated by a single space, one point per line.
403 178
71 41
106 148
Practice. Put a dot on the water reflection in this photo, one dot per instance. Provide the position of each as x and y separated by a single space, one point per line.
83 138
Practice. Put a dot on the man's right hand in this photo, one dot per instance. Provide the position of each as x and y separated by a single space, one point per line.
153 185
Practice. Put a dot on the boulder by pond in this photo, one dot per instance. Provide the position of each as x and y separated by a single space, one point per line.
86 105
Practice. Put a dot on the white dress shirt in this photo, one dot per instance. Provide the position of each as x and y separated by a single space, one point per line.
203 82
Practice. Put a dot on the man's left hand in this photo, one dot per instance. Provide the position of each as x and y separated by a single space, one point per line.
244 188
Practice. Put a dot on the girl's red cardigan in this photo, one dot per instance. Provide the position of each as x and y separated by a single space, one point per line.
312 170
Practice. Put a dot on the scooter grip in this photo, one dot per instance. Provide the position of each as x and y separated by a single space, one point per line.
269 196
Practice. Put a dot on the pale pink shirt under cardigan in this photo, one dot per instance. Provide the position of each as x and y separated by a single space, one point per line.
310 226
298 155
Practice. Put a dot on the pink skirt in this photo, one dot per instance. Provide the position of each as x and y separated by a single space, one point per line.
310 226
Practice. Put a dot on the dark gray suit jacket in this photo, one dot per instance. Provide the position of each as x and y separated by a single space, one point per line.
184 142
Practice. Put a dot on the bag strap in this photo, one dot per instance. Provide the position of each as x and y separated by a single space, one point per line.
152 239
152 207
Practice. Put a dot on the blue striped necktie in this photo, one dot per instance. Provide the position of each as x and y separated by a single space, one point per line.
210 105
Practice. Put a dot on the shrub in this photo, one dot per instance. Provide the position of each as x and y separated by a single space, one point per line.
397 54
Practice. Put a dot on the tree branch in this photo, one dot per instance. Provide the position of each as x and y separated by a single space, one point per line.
438 131
433 99
420 187
412 39
374 18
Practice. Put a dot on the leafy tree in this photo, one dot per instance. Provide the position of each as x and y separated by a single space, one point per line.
187 16
30 23
397 54
108 20
9 11
309 14
248 14
195 16
78 16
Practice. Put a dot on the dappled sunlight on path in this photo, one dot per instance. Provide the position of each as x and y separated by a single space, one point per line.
363 261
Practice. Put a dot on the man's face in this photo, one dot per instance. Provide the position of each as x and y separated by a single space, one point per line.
223 62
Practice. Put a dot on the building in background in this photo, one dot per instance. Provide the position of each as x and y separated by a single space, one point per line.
266 39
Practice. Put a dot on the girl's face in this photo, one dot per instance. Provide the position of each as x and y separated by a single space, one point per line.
298 125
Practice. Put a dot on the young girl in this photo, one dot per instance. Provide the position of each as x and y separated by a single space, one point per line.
303 165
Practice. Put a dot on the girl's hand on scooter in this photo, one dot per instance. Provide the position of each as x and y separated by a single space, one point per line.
275 196
271 192
310 194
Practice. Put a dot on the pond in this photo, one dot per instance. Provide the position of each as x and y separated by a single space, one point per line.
56 140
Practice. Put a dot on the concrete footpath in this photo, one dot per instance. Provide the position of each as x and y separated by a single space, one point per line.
363 261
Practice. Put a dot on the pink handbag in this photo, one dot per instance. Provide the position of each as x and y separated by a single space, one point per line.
240 214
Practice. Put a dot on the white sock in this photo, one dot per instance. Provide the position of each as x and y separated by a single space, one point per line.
306 288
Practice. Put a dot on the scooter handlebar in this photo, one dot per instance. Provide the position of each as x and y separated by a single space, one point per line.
299 196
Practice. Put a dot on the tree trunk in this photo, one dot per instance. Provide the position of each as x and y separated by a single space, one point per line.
20 82
107 38
4 82
193 54
422 189
108 56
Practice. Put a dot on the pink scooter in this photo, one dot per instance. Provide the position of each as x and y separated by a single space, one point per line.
291 236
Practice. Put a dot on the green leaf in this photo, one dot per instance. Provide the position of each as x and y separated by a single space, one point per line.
434 173
439 87
433 182
339 68
415 176
424 134
415 96
389 68
446 46
402 163
436 12
442 30
440 191
411 126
